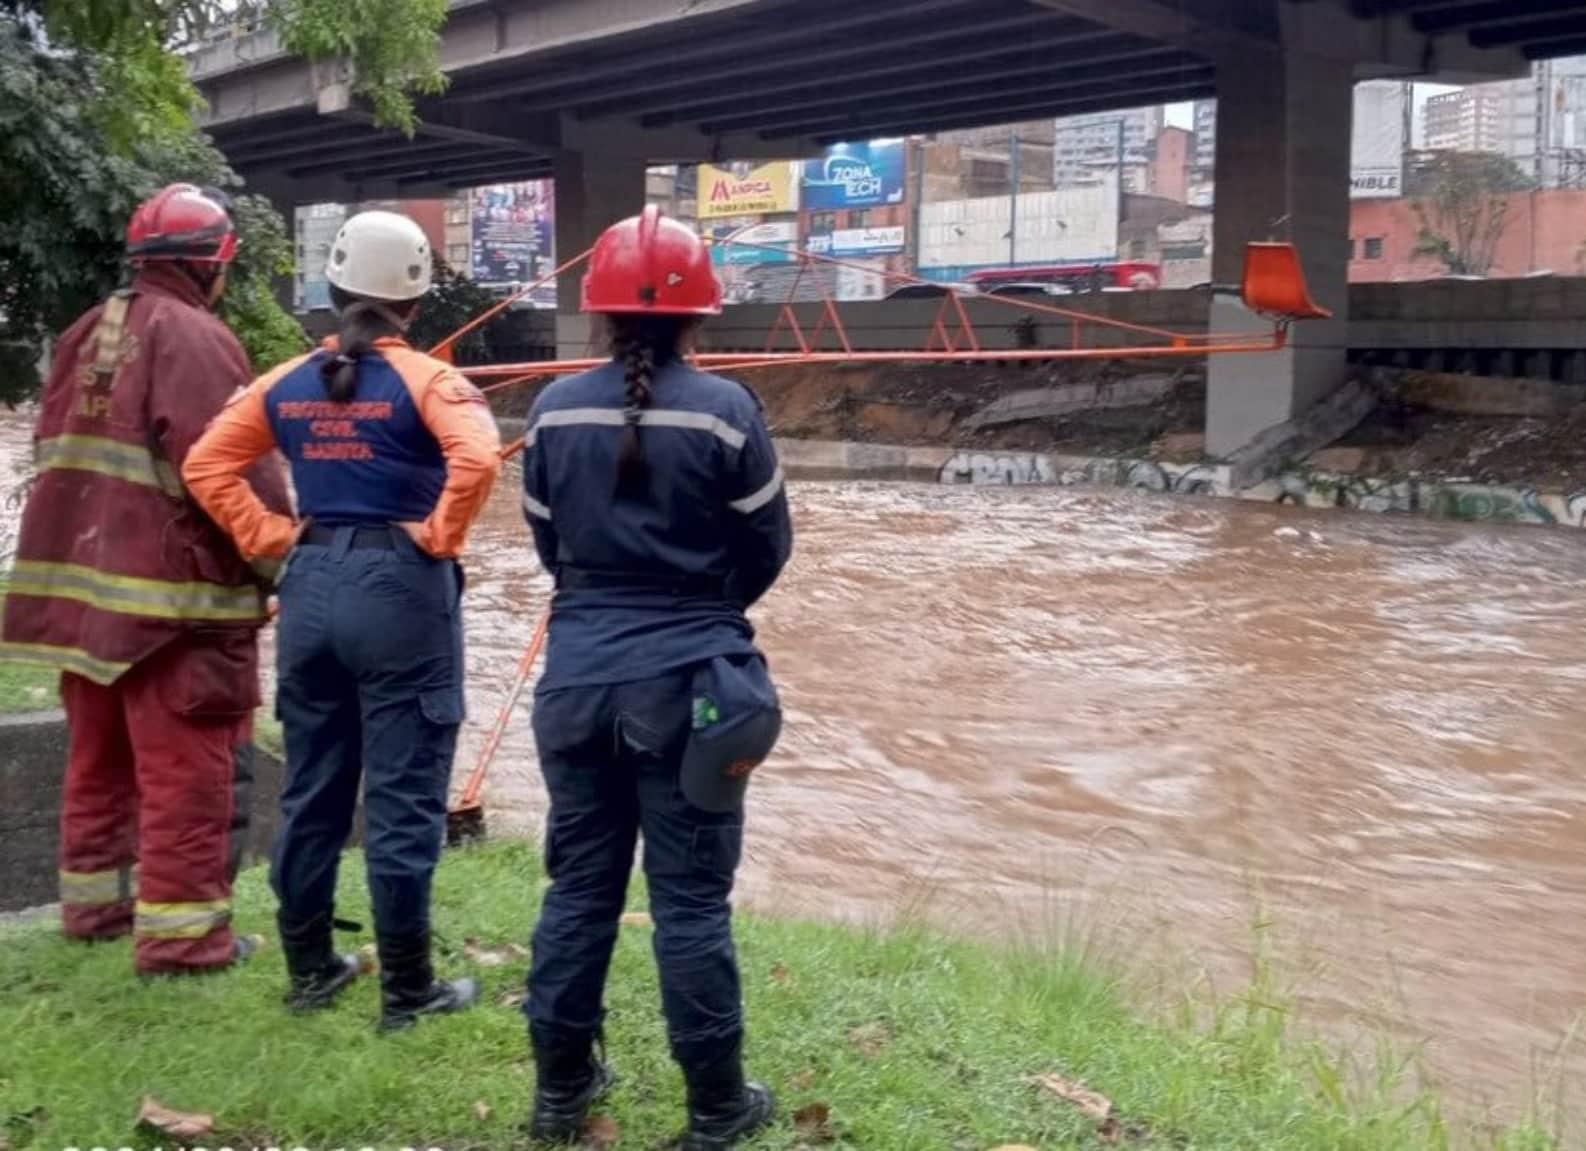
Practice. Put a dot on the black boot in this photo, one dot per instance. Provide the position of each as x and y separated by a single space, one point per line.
408 987
318 974
568 1081
722 1108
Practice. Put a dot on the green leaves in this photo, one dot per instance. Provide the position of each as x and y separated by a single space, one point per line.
393 46
84 136
1463 208
96 111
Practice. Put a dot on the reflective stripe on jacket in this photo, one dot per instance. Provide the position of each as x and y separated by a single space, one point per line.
113 560
712 522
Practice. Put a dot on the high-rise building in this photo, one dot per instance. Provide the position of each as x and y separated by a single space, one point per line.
1538 121
1204 167
1087 148
1467 120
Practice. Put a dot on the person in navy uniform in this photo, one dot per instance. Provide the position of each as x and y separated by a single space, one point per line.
657 502
393 456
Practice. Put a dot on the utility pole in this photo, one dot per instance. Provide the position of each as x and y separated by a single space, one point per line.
1013 200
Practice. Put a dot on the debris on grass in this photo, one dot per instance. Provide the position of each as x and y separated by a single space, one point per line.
637 919
176 1124
601 1132
814 1123
477 952
871 1039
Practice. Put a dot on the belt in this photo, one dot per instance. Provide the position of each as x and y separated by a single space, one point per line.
677 583
369 538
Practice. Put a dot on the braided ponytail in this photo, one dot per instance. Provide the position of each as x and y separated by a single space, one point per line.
643 345
362 323
638 376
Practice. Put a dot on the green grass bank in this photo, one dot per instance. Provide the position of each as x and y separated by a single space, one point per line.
880 1040
25 688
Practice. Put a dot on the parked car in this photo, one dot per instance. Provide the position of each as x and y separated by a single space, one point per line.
928 291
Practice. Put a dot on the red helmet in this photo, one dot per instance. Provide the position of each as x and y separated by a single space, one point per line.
651 265
183 222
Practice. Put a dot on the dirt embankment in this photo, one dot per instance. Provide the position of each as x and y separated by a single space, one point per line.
1113 409
934 404
1528 432
1457 428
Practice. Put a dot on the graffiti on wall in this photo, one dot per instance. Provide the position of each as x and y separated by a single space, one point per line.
1013 468
1494 503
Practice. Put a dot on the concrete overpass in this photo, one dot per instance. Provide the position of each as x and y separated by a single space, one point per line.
591 91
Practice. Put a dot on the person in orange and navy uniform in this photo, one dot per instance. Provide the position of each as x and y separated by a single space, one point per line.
655 498
393 455
123 584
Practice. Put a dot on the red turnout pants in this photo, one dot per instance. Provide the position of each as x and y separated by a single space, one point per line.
149 842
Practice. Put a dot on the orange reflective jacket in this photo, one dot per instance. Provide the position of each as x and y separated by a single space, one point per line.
417 444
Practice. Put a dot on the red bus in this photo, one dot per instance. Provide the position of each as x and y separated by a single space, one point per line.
1130 276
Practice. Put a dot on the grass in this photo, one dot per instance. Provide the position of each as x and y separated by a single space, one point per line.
908 1040
24 688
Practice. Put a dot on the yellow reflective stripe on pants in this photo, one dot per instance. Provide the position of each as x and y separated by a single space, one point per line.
133 595
136 465
181 920
98 888
70 659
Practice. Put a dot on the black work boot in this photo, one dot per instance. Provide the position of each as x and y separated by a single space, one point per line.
408 987
722 1108
568 1081
317 973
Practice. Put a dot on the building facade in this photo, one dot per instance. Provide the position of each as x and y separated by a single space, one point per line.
1538 121
1464 121
1086 148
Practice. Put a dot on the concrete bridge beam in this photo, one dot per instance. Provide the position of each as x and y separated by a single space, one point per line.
593 191
1283 139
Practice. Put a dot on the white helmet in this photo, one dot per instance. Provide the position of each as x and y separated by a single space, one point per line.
380 256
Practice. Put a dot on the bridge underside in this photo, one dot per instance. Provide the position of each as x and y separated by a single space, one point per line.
754 80
590 91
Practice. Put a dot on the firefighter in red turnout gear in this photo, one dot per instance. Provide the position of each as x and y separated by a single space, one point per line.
145 607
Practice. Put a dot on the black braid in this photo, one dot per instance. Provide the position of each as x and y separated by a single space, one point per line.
362 323
642 344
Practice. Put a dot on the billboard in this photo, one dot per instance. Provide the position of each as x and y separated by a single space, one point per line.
747 190
1068 226
317 225
780 242
856 176
844 243
1380 137
514 235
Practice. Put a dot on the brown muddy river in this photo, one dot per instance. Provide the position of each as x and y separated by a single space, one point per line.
1169 727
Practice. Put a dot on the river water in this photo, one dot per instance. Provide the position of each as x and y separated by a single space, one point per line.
1169 729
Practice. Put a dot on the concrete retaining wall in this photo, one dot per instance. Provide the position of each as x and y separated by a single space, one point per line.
32 768
1304 487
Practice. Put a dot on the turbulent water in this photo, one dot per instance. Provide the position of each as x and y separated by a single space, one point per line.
1173 729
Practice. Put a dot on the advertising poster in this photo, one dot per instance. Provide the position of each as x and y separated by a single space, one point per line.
846 243
856 176
747 190
777 243
1376 157
317 225
514 235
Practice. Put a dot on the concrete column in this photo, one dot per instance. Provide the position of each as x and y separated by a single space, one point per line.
592 193
1283 139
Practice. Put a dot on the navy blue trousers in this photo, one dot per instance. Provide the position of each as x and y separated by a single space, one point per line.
610 756
370 687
